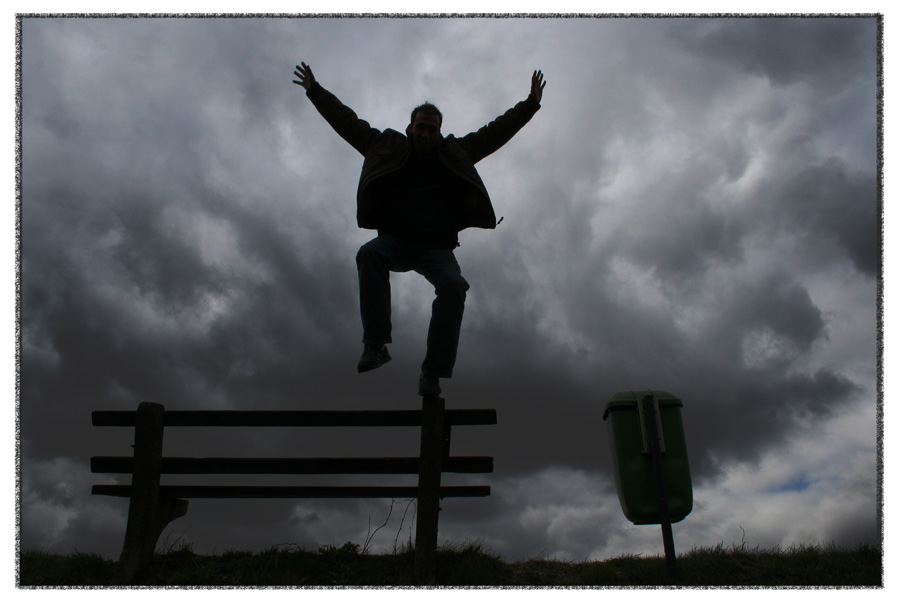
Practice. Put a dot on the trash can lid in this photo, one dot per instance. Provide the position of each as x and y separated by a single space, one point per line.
629 399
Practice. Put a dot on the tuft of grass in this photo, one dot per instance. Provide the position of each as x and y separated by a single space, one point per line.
470 565
806 565
39 568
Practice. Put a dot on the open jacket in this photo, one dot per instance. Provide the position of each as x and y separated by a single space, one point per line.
386 151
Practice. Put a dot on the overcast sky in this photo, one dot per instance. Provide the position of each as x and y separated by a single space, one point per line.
693 209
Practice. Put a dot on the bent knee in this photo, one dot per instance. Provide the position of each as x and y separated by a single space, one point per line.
454 285
370 251
370 247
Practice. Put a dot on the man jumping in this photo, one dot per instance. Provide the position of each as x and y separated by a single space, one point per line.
418 190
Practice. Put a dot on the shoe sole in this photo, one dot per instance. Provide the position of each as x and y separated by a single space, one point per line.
373 367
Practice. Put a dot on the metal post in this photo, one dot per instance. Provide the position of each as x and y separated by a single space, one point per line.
653 437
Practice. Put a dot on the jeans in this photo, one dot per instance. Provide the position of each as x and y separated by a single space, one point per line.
376 259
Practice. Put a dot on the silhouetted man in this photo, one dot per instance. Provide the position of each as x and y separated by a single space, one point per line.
418 191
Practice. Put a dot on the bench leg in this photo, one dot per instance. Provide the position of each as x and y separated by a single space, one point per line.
138 549
148 514
432 451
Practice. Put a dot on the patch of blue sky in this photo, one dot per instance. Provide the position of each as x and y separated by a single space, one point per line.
795 484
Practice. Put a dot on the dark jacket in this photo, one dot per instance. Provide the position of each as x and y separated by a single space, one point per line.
386 151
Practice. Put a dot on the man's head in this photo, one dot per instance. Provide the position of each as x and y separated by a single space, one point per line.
424 128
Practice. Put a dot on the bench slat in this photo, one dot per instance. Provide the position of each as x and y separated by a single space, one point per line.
231 491
294 466
295 418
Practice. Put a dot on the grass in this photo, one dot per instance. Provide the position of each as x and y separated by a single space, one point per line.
470 565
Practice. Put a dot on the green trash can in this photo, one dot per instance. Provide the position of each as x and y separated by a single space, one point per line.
635 478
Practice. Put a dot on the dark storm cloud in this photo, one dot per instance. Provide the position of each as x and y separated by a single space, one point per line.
787 50
775 306
670 223
831 211
766 409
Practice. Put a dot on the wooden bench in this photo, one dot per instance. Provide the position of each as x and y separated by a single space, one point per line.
153 505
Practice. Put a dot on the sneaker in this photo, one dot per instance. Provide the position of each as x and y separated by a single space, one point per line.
373 357
428 385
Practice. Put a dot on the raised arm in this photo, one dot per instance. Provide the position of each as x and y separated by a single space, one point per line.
492 136
343 120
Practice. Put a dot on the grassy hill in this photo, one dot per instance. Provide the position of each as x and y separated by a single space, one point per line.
471 565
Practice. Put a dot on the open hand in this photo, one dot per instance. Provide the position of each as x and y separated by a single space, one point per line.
304 76
537 85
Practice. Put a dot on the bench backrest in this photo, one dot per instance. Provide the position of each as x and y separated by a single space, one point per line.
299 465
